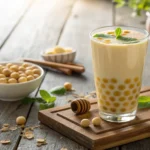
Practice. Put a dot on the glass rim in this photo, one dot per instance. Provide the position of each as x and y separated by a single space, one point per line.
147 34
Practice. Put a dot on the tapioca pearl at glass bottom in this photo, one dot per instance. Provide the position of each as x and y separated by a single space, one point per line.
126 104
131 86
130 97
98 79
116 104
123 110
107 92
103 97
134 90
126 93
139 84
122 99
101 101
136 79
111 87
113 110
103 85
113 80
105 108
121 87
112 99
105 80
116 93
127 81
107 103
134 102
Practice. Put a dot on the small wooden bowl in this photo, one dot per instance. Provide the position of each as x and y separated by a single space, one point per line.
80 106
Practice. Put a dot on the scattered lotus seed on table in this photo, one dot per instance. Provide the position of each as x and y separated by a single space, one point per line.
85 123
96 121
21 120
68 86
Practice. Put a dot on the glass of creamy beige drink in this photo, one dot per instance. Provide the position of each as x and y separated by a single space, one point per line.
118 65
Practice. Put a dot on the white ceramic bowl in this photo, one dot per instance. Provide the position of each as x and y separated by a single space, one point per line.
14 92
59 58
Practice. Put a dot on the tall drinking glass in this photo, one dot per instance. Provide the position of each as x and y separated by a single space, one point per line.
118 66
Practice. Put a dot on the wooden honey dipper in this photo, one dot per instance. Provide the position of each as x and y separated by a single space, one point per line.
80 106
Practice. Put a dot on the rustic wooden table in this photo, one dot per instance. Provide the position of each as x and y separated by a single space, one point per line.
29 26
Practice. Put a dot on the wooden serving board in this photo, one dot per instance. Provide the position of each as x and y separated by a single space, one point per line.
108 135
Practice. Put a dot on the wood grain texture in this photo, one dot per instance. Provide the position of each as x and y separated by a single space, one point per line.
123 17
106 136
11 13
82 20
34 33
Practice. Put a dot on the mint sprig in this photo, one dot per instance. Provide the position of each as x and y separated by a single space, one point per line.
58 90
29 100
45 101
127 39
144 102
103 36
118 32
47 97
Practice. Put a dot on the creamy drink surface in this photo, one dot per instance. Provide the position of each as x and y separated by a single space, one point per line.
118 67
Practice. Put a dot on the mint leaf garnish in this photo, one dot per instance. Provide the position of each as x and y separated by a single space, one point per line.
59 90
118 32
46 100
127 39
29 100
103 36
144 102
47 97
46 105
